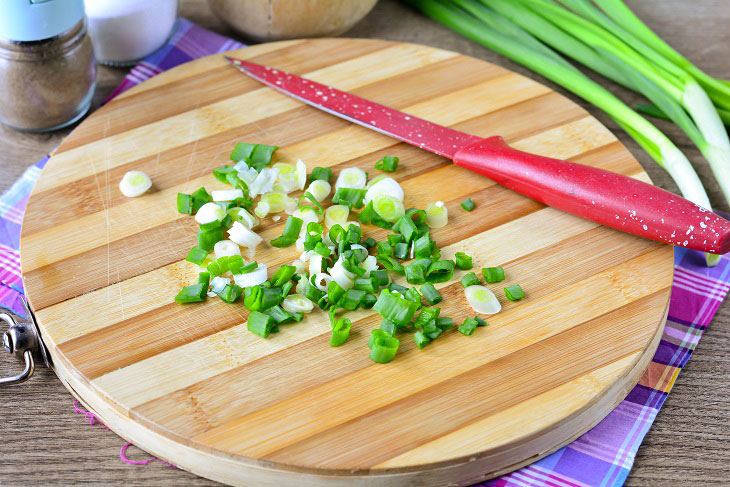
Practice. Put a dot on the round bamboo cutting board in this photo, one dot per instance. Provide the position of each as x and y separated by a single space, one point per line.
190 384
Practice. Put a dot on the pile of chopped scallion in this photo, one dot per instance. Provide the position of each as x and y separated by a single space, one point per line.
336 270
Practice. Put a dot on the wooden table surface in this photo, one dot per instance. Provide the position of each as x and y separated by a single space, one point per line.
46 443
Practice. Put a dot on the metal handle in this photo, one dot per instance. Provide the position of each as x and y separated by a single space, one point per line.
22 339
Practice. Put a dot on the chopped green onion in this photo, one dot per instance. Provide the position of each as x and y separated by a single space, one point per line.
282 275
260 324
252 297
440 271
208 238
313 294
369 243
463 261
221 173
432 331
415 274
290 233
470 279
431 294
493 274
200 197
204 279
335 292
388 327
391 264
250 267
407 228
387 207
423 246
401 251
397 288
322 173
350 197
257 156
481 321
230 293
395 238
185 204
426 316
421 339
414 296
340 332
514 293
437 215
211 225
196 255
444 323
418 216
367 284
192 294
384 248
322 249
468 326
279 314
468 204
384 348
352 299
382 277
369 301
395 308
270 296
387 163
286 288
315 204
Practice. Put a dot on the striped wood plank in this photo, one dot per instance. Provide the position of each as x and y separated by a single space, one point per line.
190 384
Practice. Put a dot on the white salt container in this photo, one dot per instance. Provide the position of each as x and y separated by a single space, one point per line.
125 31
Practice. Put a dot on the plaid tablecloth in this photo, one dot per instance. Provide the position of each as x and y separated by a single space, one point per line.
601 457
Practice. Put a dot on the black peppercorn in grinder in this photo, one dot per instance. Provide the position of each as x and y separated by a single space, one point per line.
47 67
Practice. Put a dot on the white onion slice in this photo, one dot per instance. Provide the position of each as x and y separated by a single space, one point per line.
302 286
246 173
342 276
276 201
218 283
482 300
262 209
254 278
369 264
244 216
301 174
244 237
287 180
389 208
351 177
320 189
336 214
297 303
321 280
134 183
437 215
315 264
376 180
299 265
385 187
290 205
209 212
307 215
264 182
299 244
226 194
226 248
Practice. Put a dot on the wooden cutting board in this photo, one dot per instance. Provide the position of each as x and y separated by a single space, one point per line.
190 384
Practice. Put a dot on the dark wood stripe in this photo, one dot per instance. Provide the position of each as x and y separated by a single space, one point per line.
593 252
480 392
198 158
217 84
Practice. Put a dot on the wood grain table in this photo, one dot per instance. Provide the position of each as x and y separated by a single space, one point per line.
45 443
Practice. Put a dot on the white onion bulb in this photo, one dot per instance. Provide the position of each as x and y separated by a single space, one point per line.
226 194
482 300
254 278
244 237
385 187
351 177
208 213
134 183
297 303
226 248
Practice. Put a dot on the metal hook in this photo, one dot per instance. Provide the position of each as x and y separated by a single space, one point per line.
22 338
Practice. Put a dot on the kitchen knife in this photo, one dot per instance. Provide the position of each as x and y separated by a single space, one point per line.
601 196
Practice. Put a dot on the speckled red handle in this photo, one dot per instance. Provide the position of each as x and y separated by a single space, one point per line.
604 197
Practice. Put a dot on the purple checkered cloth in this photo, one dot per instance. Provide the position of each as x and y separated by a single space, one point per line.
601 457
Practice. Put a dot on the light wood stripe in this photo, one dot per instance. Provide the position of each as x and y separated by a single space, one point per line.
101 271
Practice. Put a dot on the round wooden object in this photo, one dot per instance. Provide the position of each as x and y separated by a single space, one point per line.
190 384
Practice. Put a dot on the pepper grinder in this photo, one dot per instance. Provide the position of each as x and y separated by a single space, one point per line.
47 66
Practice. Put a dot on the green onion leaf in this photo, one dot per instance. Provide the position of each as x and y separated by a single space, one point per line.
431 294
323 173
369 301
468 204
200 197
514 293
196 255
340 332
421 339
493 274
381 275
351 197
290 233
463 261
444 323
440 271
470 279
282 275
230 293
384 248
387 164
208 238
260 323
185 204
316 206
395 308
415 274
388 327
401 251
468 326
384 348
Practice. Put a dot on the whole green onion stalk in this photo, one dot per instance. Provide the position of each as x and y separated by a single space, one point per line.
641 68
495 31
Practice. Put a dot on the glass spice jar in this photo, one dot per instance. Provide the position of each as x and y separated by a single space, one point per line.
47 66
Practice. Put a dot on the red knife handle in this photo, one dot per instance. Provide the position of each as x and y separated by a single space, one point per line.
601 196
